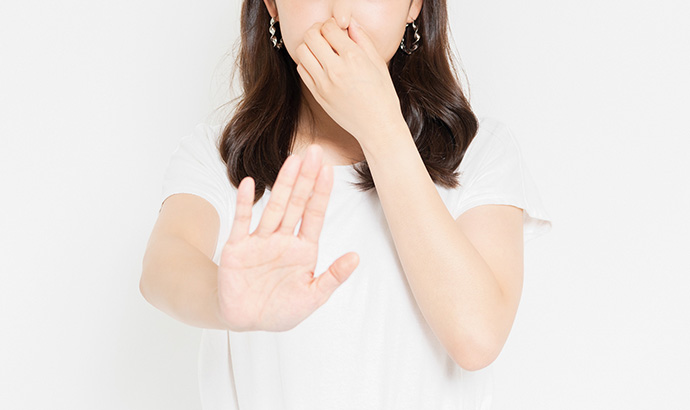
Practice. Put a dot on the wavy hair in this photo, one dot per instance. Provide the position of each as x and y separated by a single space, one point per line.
258 136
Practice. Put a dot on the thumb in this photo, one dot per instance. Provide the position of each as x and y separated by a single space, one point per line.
337 273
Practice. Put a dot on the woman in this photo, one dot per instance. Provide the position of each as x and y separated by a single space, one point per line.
353 162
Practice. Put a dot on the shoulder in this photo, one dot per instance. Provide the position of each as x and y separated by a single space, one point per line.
197 156
494 140
493 131
208 134
202 145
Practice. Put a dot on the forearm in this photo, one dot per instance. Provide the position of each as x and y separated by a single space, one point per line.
182 282
454 287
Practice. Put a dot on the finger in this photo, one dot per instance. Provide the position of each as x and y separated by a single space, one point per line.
308 81
360 36
326 283
336 38
243 210
320 47
304 186
312 221
280 194
311 63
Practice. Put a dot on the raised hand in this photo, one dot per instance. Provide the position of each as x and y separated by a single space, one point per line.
266 278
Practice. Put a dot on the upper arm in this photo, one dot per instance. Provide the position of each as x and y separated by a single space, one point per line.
496 231
191 218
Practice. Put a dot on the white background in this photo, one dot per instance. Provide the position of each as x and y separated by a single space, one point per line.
94 97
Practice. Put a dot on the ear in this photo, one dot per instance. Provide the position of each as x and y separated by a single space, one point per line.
272 9
415 9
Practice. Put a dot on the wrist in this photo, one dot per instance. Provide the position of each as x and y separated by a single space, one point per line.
387 143
226 322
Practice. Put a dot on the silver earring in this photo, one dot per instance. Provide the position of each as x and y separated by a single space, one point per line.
277 43
417 37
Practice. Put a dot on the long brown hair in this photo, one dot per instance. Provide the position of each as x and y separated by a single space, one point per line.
259 135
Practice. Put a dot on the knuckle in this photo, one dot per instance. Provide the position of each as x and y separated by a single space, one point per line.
299 200
317 212
274 206
301 48
335 74
325 86
327 27
311 34
241 216
353 55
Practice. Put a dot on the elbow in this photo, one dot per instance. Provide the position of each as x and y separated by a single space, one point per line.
142 288
145 287
477 355
473 363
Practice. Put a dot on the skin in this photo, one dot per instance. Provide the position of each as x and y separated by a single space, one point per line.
465 274
266 279
383 21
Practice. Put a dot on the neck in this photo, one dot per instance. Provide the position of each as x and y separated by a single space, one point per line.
339 146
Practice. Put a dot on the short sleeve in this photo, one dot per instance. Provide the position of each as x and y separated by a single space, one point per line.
196 167
493 171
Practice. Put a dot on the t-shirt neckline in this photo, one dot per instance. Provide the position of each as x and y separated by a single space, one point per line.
345 172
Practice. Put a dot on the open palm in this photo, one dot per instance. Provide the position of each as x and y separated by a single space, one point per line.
266 278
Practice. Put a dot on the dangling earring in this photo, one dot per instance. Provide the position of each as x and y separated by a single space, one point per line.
417 37
276 42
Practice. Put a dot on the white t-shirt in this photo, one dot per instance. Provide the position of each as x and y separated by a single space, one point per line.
368 346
